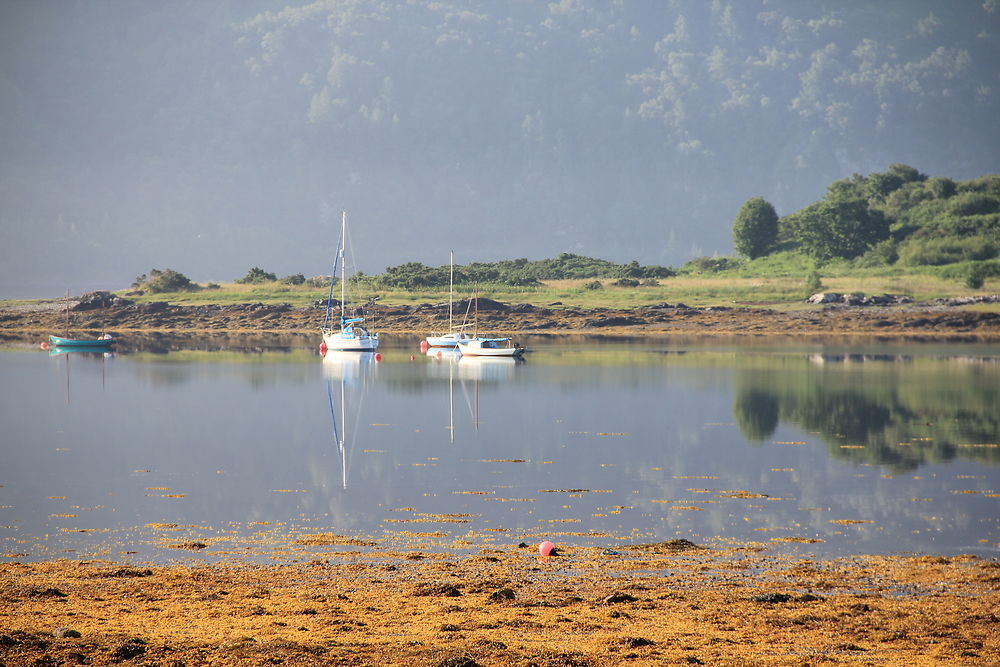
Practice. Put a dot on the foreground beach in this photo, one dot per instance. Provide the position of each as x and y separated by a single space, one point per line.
667 603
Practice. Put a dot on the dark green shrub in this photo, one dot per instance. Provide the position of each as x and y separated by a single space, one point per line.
593 284
294 279
166 280
257 275
626 282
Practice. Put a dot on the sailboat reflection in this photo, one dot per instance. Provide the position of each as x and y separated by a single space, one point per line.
489 369
347 377
79 353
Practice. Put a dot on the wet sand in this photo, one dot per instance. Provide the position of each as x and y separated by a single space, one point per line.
654 604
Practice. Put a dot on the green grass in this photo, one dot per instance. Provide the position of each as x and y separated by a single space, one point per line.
781 285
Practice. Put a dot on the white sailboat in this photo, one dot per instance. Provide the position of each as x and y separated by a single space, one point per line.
453 337
488 347
351 335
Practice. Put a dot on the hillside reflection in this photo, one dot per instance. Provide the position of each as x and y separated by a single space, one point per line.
889 411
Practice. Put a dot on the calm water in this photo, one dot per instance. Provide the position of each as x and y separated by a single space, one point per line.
825 449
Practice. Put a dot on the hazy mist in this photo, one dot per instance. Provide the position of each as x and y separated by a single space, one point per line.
209 137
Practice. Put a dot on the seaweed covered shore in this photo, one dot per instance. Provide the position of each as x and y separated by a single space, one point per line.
665 603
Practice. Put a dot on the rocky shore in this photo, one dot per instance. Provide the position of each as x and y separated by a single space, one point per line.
832 315
671 603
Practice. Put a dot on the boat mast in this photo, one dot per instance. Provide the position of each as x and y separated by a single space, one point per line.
451 291
343 269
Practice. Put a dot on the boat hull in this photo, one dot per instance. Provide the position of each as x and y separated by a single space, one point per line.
447 340
337 341
478 348
80 342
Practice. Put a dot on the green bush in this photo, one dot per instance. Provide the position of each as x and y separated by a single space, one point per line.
294 279
883 253
814 283
257 275
711 264
593 284
626 282
973 203
947 250
976 276
166 280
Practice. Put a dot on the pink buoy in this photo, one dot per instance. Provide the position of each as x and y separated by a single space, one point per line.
411 357
439 354
322 348
546 548
45 345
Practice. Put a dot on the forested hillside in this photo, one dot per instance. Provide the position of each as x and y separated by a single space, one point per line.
213 136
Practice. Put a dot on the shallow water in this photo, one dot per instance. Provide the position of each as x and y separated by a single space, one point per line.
827 449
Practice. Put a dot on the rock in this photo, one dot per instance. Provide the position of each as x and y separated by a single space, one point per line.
772 598
501 595
483 304
100 299
825 297
130 648
66 633
616 598
153 307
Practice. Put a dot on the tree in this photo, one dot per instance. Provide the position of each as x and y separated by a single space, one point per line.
755 228
845 228
257 275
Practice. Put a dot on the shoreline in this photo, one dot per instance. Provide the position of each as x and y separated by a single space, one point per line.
668 603
902 321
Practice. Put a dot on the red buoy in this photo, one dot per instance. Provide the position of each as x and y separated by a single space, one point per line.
322 348
378 356
546 548
423 346
44 345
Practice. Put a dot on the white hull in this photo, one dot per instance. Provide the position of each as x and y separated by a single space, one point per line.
339 341
447 340
484 348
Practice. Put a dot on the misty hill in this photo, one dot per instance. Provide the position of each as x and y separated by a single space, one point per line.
213 136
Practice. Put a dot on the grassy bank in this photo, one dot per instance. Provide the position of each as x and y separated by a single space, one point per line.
694 290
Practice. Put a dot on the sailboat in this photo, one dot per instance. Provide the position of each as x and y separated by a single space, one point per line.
452 338
99 343
489 347
351 335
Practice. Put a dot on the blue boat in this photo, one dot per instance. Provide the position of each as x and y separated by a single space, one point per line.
104 341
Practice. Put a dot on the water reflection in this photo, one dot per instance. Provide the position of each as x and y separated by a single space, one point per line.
347 376
836 451
902 415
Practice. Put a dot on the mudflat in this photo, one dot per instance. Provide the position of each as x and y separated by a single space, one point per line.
665 603
949 319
